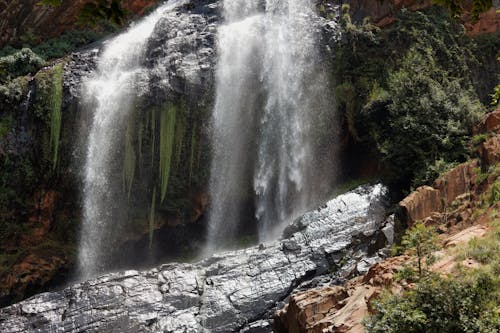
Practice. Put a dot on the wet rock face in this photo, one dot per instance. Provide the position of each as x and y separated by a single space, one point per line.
228 292
181 52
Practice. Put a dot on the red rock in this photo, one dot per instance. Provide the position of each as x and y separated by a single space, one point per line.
489 123
421 203
489 151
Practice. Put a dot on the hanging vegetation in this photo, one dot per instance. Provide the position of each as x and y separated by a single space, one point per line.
153 135
152 217
192 153
55 113
180 130
167 134
129 158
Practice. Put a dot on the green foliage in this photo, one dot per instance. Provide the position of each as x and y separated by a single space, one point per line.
64 44
485 250
456 7
430 116
407 90
129 160
180 130
480 138
20 63
192 153
47 106
103 10
434 171
167 135
57 47
494 196
420 241
439 305
495 97
55 104
152 217
12 93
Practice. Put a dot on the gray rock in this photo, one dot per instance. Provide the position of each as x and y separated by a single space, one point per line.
227 292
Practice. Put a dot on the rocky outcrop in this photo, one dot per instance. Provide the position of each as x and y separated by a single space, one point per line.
489 151
426 200
336 309
341 309
489 123
227 292
421 203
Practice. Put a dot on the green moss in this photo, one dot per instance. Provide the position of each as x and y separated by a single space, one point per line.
167 135
152 217
55 112
180 130
129 159
5 125
192 153
153 134
47 107
12 93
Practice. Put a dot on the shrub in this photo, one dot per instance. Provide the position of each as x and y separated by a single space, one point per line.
12 93
20 63
430 116
420 241
440 305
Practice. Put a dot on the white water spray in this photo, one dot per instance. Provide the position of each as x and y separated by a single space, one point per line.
270 97
109 94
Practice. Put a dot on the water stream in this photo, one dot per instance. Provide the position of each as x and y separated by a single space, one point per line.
109 95
270 101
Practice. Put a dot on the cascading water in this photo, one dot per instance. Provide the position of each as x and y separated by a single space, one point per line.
270 105
109 95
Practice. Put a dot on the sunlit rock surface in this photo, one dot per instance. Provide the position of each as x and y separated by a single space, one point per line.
228 292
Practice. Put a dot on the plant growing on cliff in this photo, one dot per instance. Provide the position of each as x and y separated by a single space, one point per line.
429 116
20 63
457 7
440 305
47 106
167 136
420 241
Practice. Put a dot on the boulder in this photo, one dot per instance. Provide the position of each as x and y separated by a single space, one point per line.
420 204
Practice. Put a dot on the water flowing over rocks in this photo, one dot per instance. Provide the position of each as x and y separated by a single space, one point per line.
228 292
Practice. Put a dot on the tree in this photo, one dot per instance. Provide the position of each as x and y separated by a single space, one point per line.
420 241
456 7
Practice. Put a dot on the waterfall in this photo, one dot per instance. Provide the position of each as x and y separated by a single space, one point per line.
269 113
109 95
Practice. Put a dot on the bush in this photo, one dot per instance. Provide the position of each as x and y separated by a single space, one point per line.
20 63
417 109
440 305
12 93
